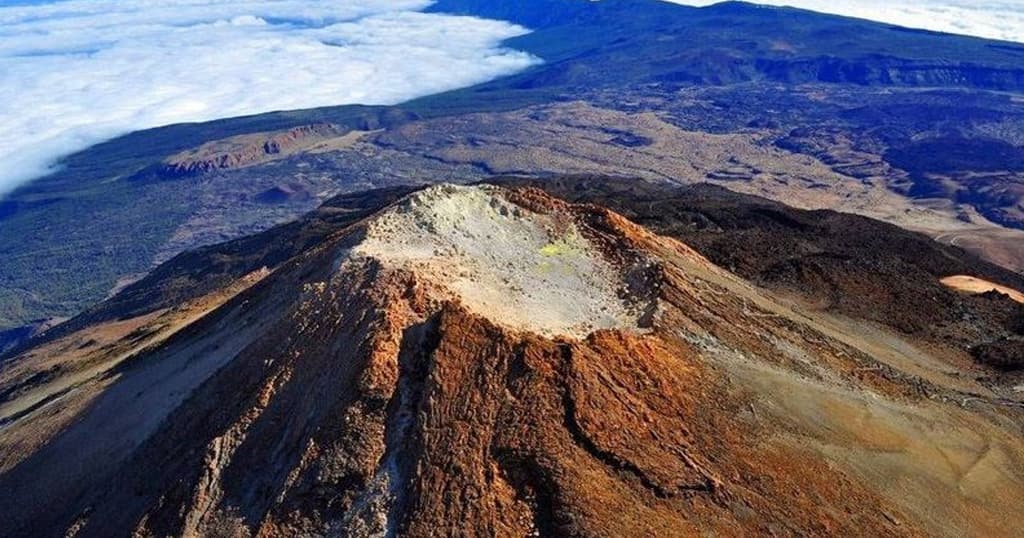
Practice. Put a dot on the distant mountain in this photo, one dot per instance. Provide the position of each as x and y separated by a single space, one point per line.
637 41
491 360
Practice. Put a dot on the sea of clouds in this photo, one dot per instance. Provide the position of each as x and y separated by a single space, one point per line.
77 72
992 19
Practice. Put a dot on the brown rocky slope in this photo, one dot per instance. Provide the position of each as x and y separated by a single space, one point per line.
493 361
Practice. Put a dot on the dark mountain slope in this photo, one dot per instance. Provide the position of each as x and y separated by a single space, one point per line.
611 41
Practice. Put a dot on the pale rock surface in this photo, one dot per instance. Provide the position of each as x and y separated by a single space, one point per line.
529 271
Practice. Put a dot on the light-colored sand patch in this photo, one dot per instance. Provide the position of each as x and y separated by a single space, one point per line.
976 285
529 271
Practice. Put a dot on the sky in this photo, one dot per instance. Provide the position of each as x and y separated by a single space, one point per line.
993 19
79 72
76 72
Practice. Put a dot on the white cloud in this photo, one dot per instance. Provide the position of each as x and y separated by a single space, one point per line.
77 72
982 18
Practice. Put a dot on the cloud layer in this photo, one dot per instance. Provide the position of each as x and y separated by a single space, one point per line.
77 72
993 19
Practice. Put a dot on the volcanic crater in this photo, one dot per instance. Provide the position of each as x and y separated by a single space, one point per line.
530 263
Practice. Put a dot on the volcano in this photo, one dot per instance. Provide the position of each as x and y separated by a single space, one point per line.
494 361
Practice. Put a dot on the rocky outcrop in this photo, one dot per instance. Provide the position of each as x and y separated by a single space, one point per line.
245 150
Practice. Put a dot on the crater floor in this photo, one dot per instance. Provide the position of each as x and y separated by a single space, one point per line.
530 271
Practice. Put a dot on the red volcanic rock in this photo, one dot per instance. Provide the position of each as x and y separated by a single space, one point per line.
487 362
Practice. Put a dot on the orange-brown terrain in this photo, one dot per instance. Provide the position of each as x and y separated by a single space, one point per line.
494 361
